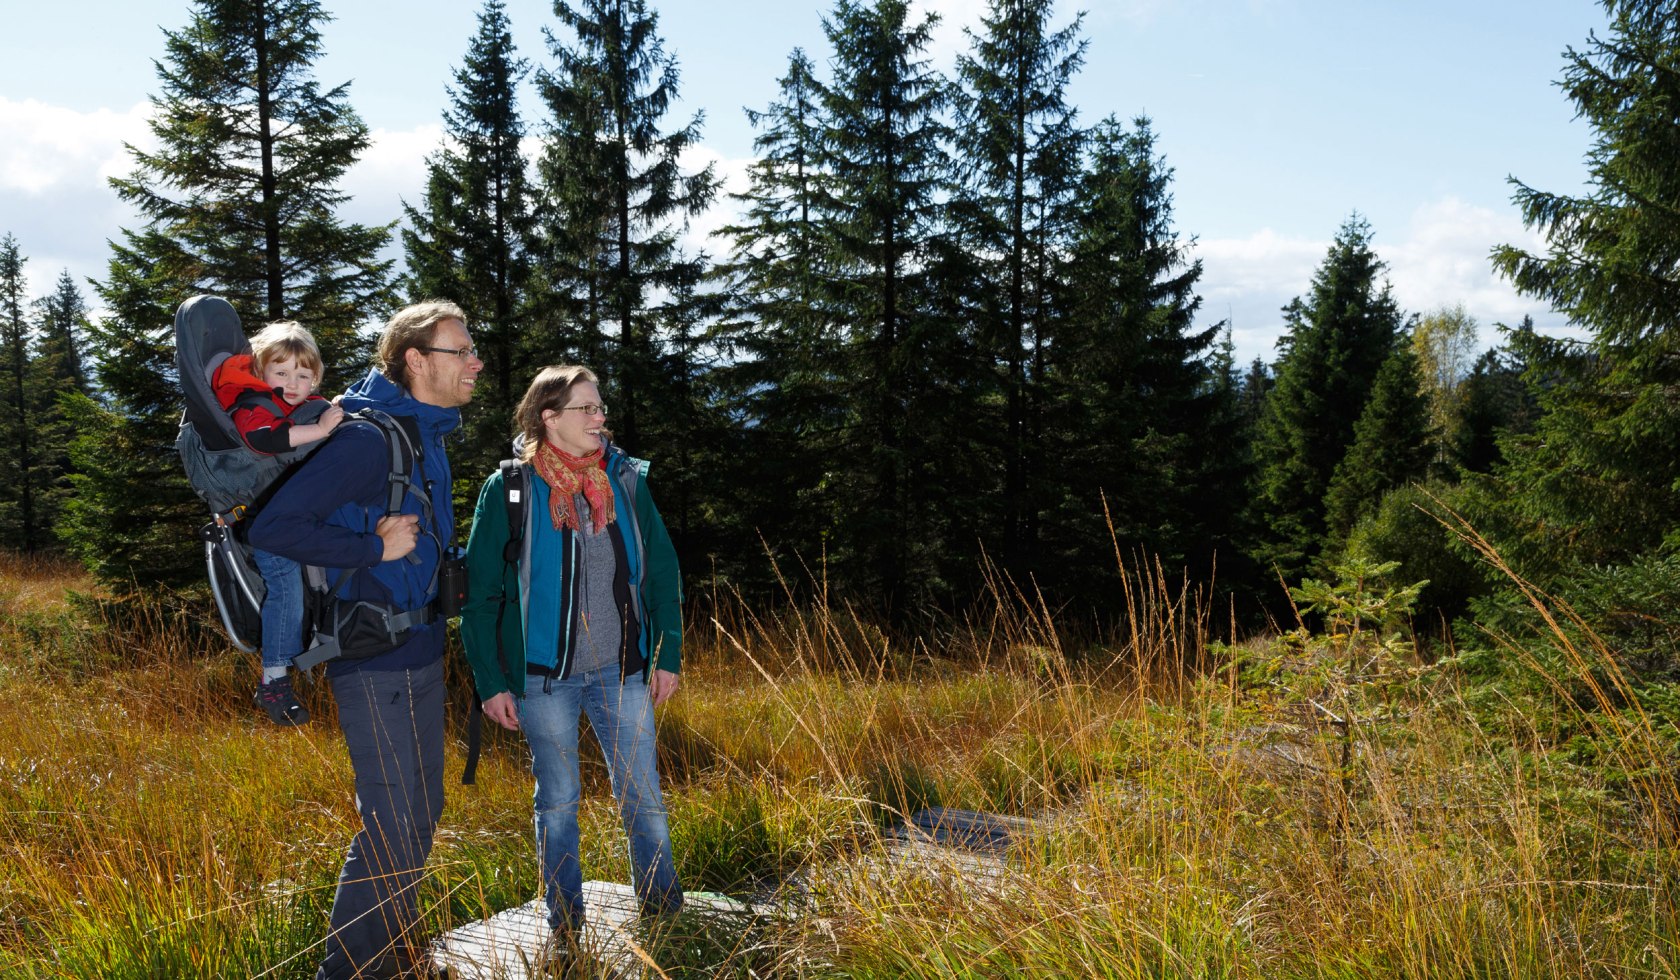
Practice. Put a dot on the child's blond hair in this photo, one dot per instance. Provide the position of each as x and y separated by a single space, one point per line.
284 340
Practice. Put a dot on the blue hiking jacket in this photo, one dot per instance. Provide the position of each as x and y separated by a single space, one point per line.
326 511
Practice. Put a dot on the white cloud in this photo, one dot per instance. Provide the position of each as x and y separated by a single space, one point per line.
50 147
54 195
1441 261
725 209
1247 280
392 170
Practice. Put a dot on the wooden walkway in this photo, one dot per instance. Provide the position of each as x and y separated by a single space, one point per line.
960 844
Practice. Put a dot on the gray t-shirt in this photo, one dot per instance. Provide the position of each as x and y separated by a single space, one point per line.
600 628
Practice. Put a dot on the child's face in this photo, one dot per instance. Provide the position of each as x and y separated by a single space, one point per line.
295 383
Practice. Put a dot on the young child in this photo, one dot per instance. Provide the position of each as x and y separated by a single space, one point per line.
262 390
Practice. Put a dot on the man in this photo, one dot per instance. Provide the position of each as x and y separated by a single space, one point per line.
331 512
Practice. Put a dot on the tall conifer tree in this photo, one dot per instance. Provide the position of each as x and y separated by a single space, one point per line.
1141 403
784 373
471 239
57 372
1497 403
1019 148
1598 482
615 195
19 515
1392 446
902 465
240 195
239 200
1337 338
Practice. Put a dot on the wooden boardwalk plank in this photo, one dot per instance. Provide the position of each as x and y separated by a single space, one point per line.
971 829
508 945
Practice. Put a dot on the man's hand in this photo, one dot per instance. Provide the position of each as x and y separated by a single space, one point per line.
662 686
399 532
501 710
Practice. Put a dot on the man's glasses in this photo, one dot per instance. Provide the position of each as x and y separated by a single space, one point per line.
461 352
588 410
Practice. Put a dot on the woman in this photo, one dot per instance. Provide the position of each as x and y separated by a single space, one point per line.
582 614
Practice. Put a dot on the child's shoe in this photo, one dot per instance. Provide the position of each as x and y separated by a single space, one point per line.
276 698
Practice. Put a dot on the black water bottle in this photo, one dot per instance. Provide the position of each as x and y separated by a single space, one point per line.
452 586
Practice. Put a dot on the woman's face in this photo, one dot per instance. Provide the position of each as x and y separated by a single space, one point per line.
577 427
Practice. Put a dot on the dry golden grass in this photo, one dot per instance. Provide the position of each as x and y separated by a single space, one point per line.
151 826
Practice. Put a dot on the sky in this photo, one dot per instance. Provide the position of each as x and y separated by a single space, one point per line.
1279 118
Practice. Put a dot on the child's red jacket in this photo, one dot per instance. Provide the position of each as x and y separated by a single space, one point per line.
259 413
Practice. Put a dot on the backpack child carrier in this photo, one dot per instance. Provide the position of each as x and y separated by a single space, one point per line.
234 481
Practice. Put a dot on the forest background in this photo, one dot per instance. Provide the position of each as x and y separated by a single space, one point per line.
951 327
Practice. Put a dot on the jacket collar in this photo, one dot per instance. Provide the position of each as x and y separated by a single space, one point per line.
378 391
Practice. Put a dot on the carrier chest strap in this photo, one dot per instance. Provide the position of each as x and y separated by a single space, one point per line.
252 398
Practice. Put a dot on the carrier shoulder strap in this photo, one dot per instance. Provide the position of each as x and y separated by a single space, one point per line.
402 442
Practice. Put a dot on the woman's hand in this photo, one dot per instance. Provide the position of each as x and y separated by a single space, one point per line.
501 710
662 686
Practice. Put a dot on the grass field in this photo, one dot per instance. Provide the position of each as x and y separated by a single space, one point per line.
1213 811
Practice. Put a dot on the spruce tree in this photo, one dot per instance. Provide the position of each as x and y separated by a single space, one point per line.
471 238
1611 252
1143 408
238 200
901 463
783 375
1337 337
1497 403
62 341
1019 148
1392 446
19 514
1256 385
57 372
239 197
1598 482
616 196
699 462
131 512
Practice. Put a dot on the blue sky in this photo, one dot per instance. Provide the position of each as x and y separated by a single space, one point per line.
1280 118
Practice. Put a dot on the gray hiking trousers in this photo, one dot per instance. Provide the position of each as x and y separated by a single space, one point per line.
393 726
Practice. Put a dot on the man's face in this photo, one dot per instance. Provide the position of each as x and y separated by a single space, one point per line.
444 378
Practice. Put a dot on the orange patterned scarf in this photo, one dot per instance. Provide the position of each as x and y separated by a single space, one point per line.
567 476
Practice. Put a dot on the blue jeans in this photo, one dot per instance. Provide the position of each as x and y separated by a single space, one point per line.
282 611
622 718
393 728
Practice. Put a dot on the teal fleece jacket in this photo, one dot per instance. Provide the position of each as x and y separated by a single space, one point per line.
653 574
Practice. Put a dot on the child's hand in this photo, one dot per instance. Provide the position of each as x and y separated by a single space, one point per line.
330 418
